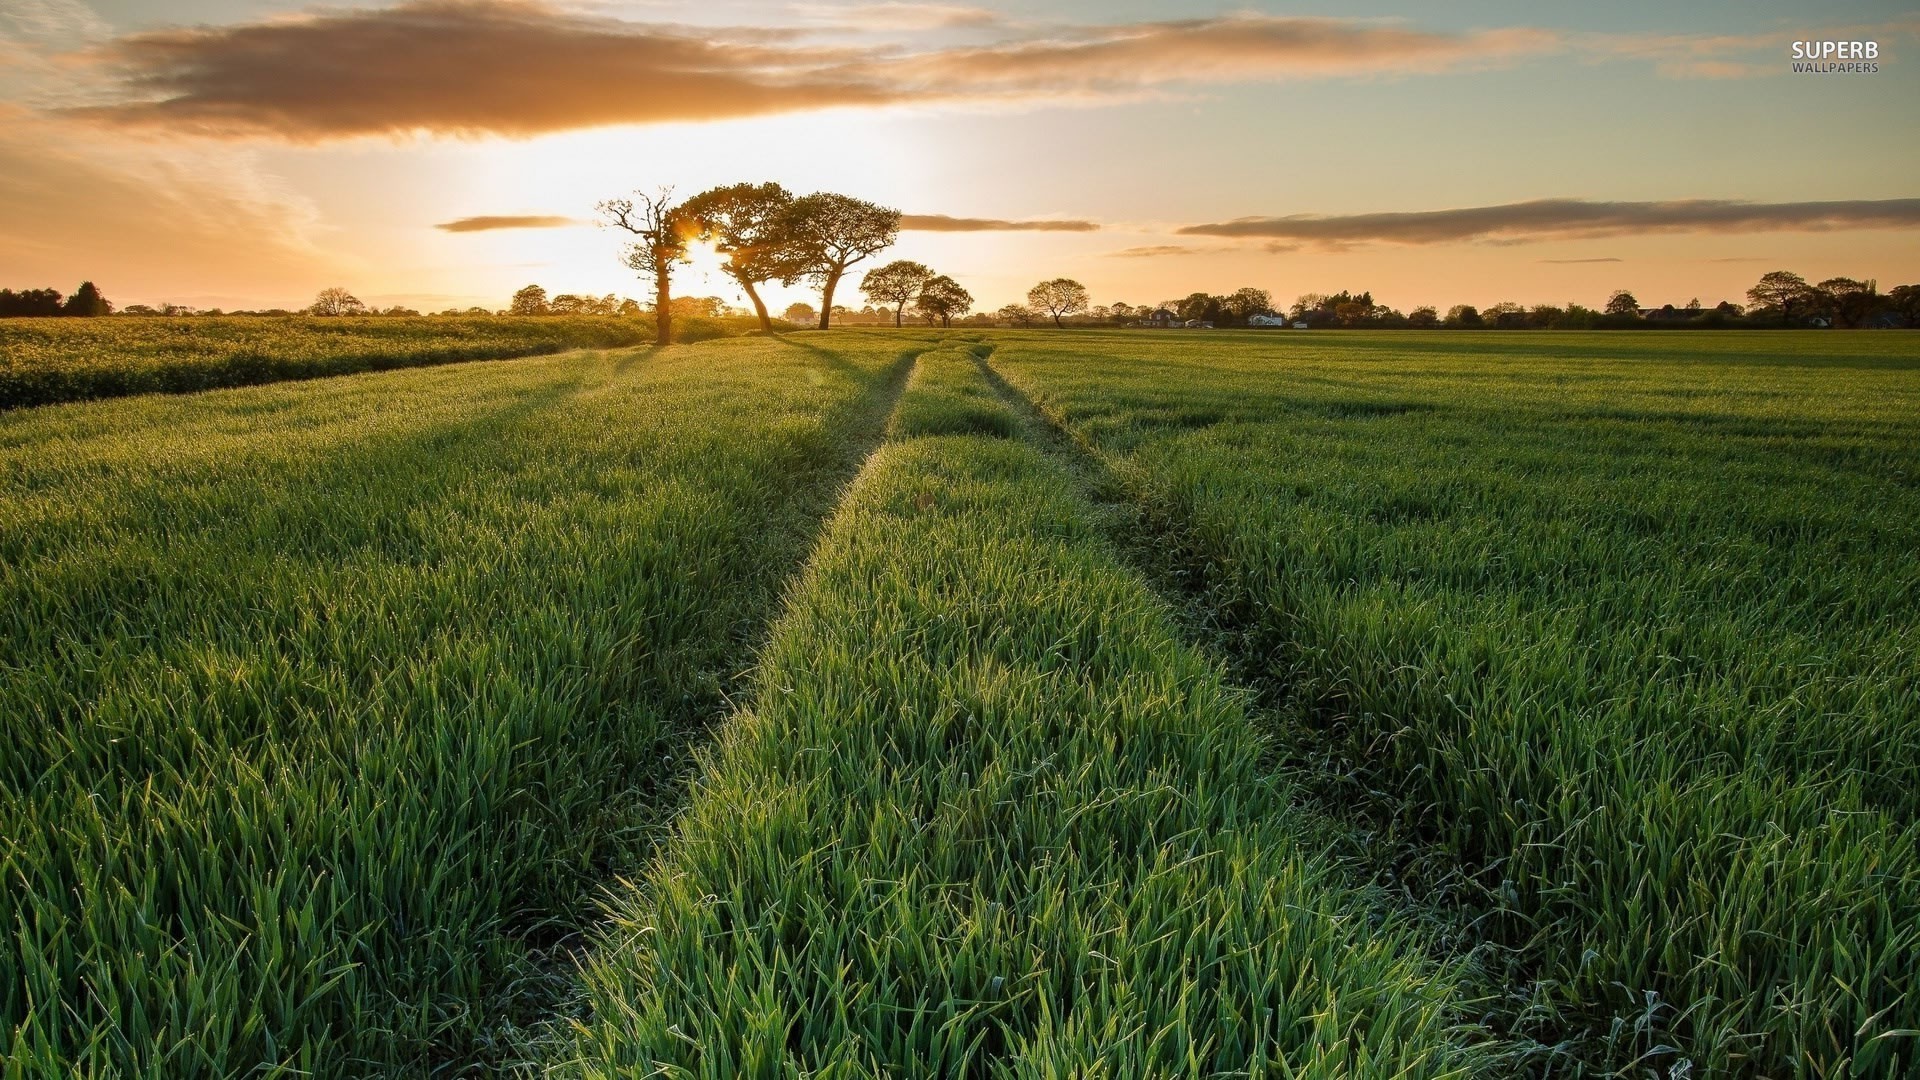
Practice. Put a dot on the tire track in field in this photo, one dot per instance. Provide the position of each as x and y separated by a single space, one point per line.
560 1001
1426 884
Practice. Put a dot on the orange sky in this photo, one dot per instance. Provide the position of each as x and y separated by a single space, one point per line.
243 153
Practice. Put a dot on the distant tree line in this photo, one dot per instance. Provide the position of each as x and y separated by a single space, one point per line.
1780 300
86 301
768 235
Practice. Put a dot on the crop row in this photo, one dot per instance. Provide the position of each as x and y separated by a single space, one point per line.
1631 638
988 814
43 361
326 707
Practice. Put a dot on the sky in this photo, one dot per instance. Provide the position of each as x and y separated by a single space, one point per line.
443 153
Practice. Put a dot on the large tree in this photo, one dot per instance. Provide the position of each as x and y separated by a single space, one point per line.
746 223
337 301
825 233
1850 301
530 300
943 298
86 300
661 235
1783 291
1622 302
1248 302
1905 302
896 284
1059 298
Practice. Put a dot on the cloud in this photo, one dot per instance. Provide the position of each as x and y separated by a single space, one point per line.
1154 251
487 222
58 22
943 223
900 16
1577 262
501 67
520 68
1226 49
1569 219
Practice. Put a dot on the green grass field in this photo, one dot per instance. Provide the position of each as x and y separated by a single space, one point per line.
328 705
43 361
1626 625
1004 704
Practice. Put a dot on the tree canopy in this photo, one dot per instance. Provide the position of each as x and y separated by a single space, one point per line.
747 223
337 301
896 284
826 233
944 299
1058 298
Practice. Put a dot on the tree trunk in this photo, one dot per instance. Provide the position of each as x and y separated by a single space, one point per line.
759 305
662 303
826 296
902 306
1056 321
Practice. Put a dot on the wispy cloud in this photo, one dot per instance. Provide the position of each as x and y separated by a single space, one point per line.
1577 262
899 16
944 223
521 68
488 222
1154 251
1564 219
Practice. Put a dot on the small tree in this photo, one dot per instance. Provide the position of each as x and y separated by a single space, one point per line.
1015 315
1783 291
1622 302
896 284
824 233
661 233
531 300
336 301
1423 318
800 313
1058 298
942 298
1463 317
86 301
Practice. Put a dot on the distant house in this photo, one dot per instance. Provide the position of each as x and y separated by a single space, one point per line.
1266 320
1162 318
1197 324
1299 326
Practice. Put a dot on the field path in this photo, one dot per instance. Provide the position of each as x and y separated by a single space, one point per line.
987 813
